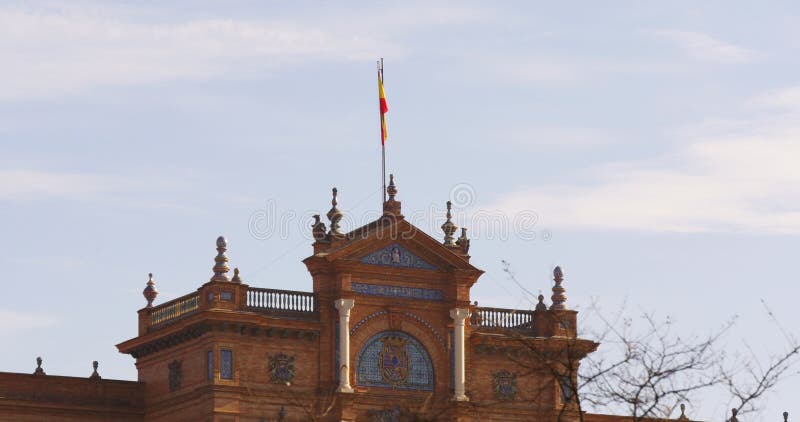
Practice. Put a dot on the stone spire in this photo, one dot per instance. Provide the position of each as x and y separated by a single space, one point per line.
559 297
39 370
449 228
221 261
391 206
150 291
334 215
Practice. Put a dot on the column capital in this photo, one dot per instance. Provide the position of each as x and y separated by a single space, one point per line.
344 305
459 315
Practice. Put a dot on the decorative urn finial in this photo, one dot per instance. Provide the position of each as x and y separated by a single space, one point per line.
449 228
683 417
334 215
39 370
95 375
150 293
221 261
734 411
392 205
236 278
785 416
559 297
541 306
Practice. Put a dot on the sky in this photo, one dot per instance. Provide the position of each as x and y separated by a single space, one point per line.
649 148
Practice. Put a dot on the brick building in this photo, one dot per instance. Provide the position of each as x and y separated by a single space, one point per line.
389 333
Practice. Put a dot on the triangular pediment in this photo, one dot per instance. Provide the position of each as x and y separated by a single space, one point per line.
395 255
374 244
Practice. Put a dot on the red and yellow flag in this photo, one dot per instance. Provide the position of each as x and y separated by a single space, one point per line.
383 108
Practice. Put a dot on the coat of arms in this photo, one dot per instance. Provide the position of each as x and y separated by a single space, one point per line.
504 384
281 368
394 360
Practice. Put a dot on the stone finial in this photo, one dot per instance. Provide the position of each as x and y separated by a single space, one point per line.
95 375
785 416
39 370
236 278
559 297
318 229
150 293
334 215
541 306
391 189
391 206
463 241
683 417
734 411
449 228
221 261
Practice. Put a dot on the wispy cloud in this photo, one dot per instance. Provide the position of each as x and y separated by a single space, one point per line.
56 52
701 46
12 321
740 178
34 184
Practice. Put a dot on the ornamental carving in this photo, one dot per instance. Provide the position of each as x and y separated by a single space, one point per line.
281 368
175 375
504 385
395 255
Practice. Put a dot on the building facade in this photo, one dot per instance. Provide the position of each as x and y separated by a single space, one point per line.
389 333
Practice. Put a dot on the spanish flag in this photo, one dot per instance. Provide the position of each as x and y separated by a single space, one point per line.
383 108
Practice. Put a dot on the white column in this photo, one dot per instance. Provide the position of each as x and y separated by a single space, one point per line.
344 306
459 315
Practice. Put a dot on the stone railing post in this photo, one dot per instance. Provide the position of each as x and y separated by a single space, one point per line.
344 306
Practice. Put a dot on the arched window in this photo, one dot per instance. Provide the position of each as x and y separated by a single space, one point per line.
394 359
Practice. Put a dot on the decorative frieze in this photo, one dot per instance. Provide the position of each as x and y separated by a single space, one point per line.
418 293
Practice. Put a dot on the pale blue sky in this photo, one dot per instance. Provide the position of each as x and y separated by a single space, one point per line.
657 142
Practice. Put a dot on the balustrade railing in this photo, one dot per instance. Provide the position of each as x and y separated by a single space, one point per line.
515 319
174 308
281 300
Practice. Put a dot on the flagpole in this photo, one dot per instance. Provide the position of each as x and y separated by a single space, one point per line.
383 143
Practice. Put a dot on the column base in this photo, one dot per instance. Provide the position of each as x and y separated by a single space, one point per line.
460 398
344 390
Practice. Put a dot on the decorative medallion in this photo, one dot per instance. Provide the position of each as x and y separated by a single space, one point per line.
504 384
395 255
385 415
175 375
281 368
394 360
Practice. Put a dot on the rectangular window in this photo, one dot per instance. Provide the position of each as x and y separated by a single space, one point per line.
226 296
210 365
226 364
